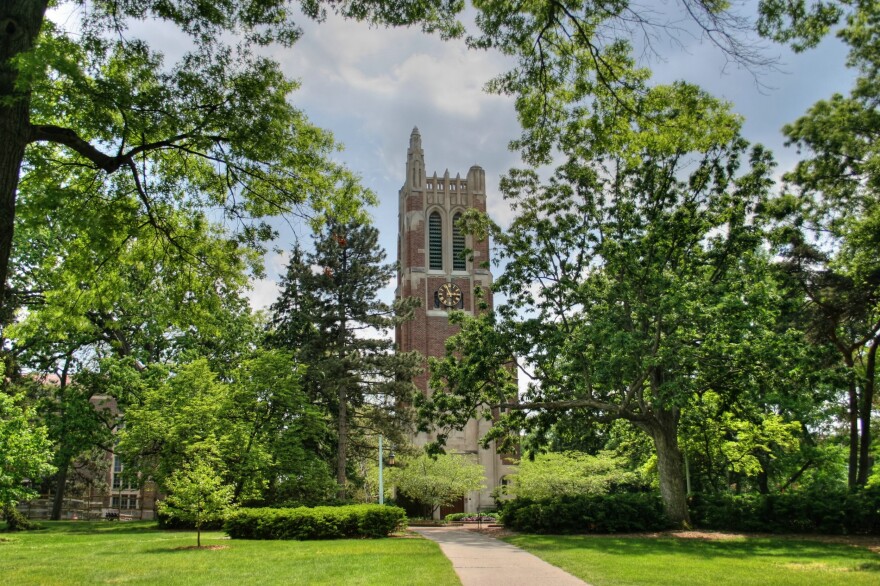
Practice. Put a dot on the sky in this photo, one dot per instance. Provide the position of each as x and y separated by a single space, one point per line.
371 86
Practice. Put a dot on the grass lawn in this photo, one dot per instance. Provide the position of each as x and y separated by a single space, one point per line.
78 552
740 561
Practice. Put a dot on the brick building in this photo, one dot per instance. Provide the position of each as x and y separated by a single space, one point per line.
433 269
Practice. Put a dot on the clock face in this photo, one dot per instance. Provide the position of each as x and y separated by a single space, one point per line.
449 294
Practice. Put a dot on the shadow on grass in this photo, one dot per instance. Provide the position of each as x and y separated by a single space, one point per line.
124 527
699 548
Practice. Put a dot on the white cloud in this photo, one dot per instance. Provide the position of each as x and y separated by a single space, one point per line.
263 293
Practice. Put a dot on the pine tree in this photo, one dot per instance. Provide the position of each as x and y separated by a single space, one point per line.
330 315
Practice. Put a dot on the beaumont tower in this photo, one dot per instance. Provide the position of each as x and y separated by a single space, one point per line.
432 268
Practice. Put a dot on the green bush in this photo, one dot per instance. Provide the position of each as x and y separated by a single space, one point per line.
611 513
315 523
174 524
815 511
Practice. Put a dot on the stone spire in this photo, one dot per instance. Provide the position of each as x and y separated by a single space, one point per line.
415 161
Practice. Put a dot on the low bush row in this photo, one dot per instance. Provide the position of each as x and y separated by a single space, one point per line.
484 517
315 523
826 511
612 513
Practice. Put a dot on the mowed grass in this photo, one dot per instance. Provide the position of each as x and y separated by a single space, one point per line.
138 553
741 561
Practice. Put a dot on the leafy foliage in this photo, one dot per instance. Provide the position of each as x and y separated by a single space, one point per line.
814 511
315 523
25 451
635 277
612 513
827 232
330 318
570 474
259 424
437 480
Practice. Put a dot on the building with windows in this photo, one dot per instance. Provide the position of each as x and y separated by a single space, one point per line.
434 269
97 485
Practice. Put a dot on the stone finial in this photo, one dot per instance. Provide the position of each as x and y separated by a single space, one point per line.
415 161
415 140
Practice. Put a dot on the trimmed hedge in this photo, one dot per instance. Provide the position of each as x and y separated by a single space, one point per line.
175 524
315 523
819 511
612 513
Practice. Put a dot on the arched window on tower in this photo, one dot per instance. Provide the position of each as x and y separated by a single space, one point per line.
435 242
459 263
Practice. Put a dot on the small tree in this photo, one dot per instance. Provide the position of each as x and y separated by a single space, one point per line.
570 473
197 495
438 481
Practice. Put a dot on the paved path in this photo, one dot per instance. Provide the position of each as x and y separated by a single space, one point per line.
485 561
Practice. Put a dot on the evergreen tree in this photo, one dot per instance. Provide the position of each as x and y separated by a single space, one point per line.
329 313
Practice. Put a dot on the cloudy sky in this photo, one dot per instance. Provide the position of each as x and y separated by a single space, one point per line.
371 86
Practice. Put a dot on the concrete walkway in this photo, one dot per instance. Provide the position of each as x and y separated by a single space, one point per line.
485 561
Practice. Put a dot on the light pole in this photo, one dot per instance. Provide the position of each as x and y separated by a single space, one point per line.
381 467
381 480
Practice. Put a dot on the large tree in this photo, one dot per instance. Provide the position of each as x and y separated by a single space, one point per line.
329 313
829 233
634 276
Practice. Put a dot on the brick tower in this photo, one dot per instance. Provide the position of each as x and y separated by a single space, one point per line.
433 270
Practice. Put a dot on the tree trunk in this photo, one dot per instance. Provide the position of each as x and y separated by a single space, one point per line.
60 489
853 393
670 465
867 403
342 447
20 22
342 395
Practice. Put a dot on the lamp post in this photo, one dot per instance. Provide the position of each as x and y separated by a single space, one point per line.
381 480
381 466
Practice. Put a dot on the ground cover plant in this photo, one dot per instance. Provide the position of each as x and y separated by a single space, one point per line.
739 560
139 553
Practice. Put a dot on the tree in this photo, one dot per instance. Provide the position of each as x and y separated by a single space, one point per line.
25 451
437 480
330 317
76 425
258 423
634 276
197 494
277 443
214 130
828 231
569 473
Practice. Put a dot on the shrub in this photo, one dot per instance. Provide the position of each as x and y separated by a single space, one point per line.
815 511
612 513
164 521
315 523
